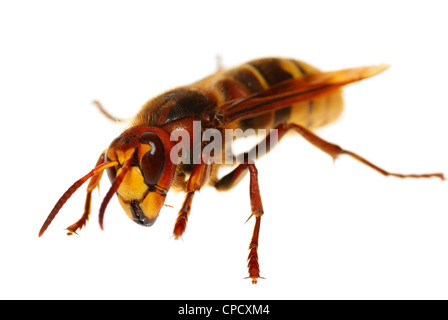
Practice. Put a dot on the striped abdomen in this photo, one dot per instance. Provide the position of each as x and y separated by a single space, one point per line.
257 75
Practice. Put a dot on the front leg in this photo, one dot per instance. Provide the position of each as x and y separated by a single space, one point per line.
198 178
93 183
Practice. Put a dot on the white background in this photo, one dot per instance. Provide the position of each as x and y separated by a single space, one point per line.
330 231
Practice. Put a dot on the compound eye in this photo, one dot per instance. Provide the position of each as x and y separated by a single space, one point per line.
153 162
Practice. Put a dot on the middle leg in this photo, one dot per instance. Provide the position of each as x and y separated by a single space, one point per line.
230 180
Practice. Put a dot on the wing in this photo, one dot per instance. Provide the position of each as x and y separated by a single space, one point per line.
292 91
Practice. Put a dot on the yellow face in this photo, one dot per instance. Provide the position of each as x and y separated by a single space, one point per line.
143 190
140 203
